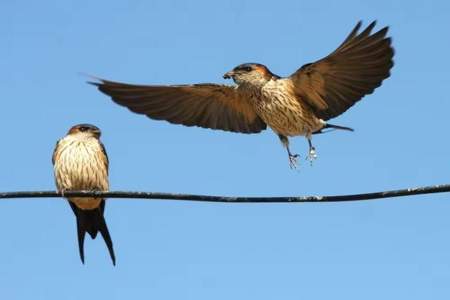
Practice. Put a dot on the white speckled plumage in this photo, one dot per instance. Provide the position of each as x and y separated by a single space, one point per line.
81 164
282 111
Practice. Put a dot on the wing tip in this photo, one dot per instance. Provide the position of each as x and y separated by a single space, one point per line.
371 26
358 26
94 83
91 79
373 23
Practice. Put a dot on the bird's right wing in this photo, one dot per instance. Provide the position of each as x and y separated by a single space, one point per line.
205 105
55 152
106 159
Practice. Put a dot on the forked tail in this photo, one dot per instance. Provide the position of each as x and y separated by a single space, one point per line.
92 221
332 127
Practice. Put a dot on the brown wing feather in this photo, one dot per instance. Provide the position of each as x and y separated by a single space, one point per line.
54 158
106 160
358 66
205 105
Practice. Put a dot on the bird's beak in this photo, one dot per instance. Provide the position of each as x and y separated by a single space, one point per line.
228 75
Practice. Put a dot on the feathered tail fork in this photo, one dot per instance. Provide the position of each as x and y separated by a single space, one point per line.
92 222
332 127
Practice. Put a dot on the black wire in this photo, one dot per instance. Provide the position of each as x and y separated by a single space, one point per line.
443 188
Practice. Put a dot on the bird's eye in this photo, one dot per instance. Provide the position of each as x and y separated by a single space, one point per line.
83 128
247 69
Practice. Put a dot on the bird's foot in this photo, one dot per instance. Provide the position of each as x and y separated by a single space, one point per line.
293 161
312 155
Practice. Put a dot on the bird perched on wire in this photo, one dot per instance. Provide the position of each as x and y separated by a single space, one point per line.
80 162
300 104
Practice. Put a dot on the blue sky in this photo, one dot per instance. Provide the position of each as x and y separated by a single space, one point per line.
180 250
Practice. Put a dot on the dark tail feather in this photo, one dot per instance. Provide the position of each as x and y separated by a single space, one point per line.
92 222
103 228
338 127
333 127
81 234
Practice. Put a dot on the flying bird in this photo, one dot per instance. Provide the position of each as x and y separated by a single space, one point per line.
80 162
300 104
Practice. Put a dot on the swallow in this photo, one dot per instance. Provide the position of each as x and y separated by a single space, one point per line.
80 162
298 105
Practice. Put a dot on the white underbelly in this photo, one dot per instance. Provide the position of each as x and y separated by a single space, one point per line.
80 168
287 117
282 111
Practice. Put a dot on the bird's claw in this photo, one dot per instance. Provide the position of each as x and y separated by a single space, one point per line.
293 161
312 155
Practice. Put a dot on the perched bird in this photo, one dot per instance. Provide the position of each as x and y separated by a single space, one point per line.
80 162
300 104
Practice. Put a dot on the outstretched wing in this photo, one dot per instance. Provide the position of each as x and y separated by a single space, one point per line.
358 66
205 105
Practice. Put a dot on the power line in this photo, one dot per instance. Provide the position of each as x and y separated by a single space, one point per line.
442 188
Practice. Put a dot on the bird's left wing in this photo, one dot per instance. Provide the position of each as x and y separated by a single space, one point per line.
205 105
359 65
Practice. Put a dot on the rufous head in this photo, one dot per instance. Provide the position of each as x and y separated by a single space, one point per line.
252 73
86 130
